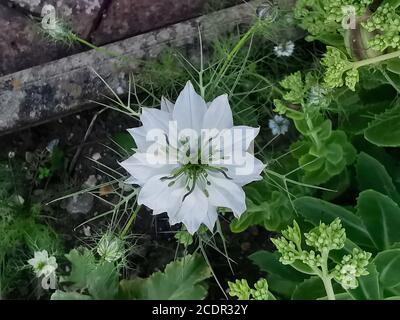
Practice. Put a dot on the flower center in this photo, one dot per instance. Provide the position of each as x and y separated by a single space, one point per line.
194 175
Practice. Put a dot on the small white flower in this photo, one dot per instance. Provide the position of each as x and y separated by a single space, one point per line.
279 125
284 49
11 154
349 282
206 175
42 264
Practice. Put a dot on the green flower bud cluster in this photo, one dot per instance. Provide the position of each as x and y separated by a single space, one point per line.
334 8
311 258
242 290
339 70
322 239
351 267
313 18
302 90
295 86
260 291
325 238
320 18
386 22
288 250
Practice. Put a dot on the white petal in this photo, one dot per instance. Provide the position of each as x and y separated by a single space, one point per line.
211 218
166 105
193 211
139 135
161 197
227 194
231 145
219 114
245 170
189 109
155 119
242 137
152 119
141 170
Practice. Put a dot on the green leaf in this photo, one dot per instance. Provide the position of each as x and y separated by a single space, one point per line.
181 280
384 132
61 295
82 263
315 211
381 217
371 174
281 286
271 210
368 286
388 265
309 289
313 289
393 65
124 140
103 281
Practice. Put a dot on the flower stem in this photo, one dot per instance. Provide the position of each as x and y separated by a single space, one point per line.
129 223
99 49
375 60
325 277
328 288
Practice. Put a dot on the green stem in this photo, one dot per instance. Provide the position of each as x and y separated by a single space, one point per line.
313 135
326 279
328 288
99 49
375 60
129 223
233 53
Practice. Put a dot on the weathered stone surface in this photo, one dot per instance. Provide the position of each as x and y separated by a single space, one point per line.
79 14
21 46
44 92
126 18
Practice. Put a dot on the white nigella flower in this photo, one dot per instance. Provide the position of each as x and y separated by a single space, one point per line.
284 49
42 264
279 125
208 160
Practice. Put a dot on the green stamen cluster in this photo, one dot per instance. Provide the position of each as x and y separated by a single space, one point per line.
321 240
242 290
194 174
